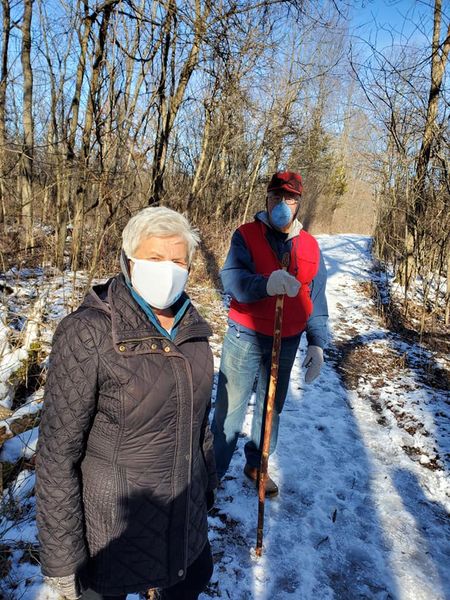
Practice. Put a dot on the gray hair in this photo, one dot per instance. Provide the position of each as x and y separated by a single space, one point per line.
158 221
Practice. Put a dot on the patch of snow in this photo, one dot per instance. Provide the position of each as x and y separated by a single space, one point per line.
22 445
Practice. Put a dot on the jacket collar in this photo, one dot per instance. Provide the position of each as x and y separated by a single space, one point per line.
128 319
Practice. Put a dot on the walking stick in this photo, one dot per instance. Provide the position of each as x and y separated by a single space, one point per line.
270 401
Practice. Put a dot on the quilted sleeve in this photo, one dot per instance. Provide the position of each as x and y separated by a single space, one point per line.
69 405
208 451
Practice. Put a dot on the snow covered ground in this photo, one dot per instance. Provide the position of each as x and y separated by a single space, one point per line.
362 462
356 516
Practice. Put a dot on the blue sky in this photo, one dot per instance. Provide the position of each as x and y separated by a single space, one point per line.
387 22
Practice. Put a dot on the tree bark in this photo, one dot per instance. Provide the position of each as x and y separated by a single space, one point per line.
65 176
25 180
415 220
91 110
447 299
438 64
6 28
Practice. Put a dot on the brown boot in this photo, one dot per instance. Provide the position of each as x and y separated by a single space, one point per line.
152 594
253 474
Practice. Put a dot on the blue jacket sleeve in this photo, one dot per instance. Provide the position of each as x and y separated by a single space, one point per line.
238 275
316 327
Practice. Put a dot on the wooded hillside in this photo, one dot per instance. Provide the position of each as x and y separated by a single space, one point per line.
109 106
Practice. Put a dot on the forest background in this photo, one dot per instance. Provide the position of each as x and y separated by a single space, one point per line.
110 106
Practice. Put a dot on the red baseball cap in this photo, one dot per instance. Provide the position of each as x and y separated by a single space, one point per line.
286 181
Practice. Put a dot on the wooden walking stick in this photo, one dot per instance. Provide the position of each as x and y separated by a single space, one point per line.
270 401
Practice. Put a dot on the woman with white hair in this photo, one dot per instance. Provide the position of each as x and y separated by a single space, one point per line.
125 468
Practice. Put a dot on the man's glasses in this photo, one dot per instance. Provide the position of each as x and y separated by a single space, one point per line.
290 200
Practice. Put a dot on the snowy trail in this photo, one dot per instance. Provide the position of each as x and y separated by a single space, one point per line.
357 517
362 462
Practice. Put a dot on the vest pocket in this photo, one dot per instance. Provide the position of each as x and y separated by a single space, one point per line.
305 270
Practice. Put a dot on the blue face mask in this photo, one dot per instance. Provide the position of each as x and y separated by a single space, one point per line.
281 215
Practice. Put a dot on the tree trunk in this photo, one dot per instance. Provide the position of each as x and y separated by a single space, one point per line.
253 178
92 108
65 179
162 133
203 154
438 63
415 219
447 299
168 109
6 28
25 180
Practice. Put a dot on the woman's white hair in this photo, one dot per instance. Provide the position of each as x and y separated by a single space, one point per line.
158 221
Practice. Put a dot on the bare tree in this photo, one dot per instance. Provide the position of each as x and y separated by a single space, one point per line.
6 28
25 178
170 90
154 101
439 51
413 222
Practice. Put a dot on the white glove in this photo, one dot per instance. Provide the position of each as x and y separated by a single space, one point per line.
282 282
67 586
313 363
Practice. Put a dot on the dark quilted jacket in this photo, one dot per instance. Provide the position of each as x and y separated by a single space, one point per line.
125 455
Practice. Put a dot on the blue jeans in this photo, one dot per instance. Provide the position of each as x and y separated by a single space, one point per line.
243 359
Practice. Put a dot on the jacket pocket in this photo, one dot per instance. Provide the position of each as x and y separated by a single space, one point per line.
205 476
104 501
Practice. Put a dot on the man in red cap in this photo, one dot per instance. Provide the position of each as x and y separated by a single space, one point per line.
253 276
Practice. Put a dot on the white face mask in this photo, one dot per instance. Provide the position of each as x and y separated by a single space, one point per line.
160 283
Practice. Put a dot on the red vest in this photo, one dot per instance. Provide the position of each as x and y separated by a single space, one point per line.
304 264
